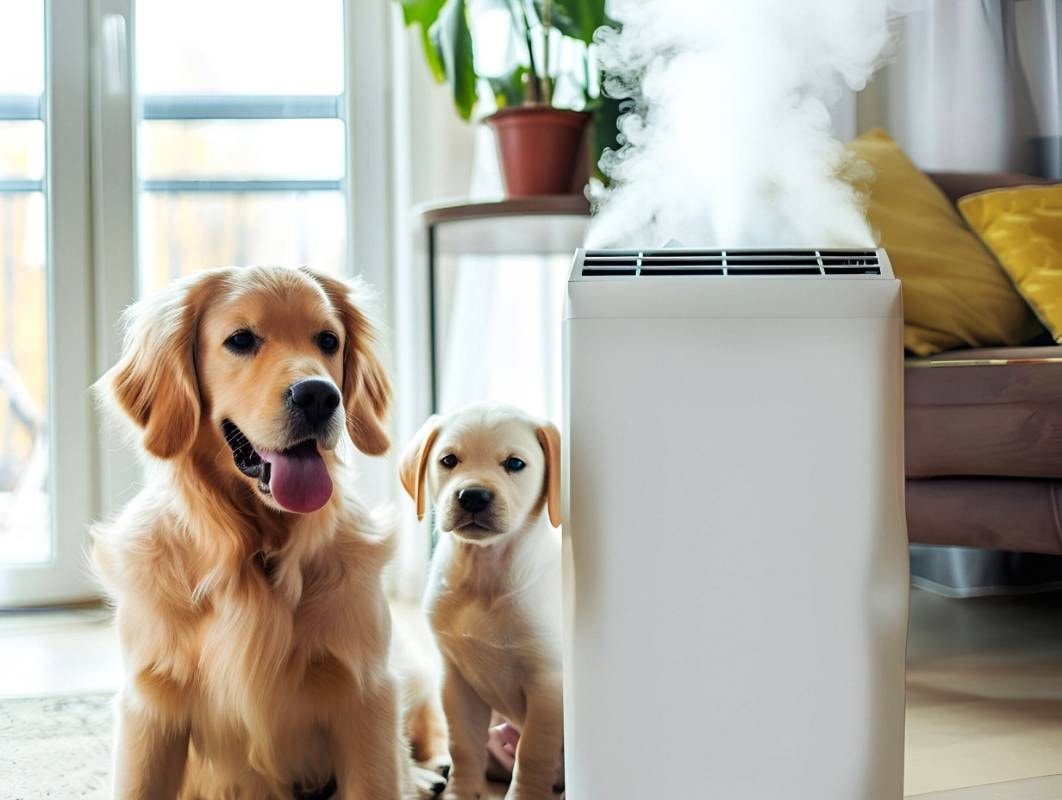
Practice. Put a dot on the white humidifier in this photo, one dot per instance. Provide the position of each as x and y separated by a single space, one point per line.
736 571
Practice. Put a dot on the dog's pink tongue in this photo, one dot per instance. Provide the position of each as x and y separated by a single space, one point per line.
298 478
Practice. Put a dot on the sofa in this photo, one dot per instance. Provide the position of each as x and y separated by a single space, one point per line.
984 435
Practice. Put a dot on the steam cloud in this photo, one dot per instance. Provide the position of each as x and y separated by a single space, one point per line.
729 142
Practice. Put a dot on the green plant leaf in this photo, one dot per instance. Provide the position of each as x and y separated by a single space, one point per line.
575 18
604 130
421 12
510 89
451 37
424 13
433 57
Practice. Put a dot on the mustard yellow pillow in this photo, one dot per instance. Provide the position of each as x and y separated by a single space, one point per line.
954 292
1023 227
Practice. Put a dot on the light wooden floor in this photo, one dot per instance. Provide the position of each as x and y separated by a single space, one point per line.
984 697
984 688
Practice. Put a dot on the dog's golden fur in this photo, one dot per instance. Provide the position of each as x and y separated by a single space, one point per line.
255 641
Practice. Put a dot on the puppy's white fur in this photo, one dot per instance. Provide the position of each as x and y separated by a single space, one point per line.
494 592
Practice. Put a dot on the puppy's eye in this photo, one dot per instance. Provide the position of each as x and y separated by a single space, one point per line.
328 342
242 341
514 464
449 461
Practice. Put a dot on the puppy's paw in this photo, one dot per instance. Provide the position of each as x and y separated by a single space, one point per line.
428 782
501 752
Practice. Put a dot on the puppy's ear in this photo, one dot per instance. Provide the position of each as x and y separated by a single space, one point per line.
154 382
549 438
366 389
414 467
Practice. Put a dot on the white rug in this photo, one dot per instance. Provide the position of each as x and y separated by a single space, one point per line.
56 747
60 747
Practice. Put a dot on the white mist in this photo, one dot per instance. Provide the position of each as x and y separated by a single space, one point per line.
729 143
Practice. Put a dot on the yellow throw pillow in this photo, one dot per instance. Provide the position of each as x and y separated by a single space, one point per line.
954 292
1023 227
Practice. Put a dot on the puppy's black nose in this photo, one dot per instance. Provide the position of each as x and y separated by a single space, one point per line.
315 398
474 499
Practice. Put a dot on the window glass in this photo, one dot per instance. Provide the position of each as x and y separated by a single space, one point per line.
25 531
184 232
242 152
271 47
286 149
22 149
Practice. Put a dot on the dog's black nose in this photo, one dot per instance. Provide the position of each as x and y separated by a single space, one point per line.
474 499
315 398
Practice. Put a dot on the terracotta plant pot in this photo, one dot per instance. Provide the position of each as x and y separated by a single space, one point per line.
540 148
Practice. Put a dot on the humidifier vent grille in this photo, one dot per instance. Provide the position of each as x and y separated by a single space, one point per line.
729 263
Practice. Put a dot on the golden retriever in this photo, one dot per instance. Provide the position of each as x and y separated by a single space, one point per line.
494 592
246 577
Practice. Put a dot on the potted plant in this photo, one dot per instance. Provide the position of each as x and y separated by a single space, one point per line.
546 91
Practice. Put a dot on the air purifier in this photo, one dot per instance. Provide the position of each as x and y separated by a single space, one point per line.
736 570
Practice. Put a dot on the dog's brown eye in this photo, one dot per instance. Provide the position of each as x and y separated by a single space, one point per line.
449 461
514 464
328 342
242 342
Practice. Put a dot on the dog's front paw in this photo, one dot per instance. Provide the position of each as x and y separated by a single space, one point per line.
428 782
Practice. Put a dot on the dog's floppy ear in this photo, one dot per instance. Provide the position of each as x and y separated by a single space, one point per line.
366 389
414 467
549 438
154 382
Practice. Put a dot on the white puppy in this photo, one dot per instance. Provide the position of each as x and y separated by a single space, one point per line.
494 594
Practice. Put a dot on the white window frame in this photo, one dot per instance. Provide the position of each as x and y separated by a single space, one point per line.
71 363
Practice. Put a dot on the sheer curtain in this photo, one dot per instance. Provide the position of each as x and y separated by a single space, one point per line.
1032 39
974 86
500 317
502 341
